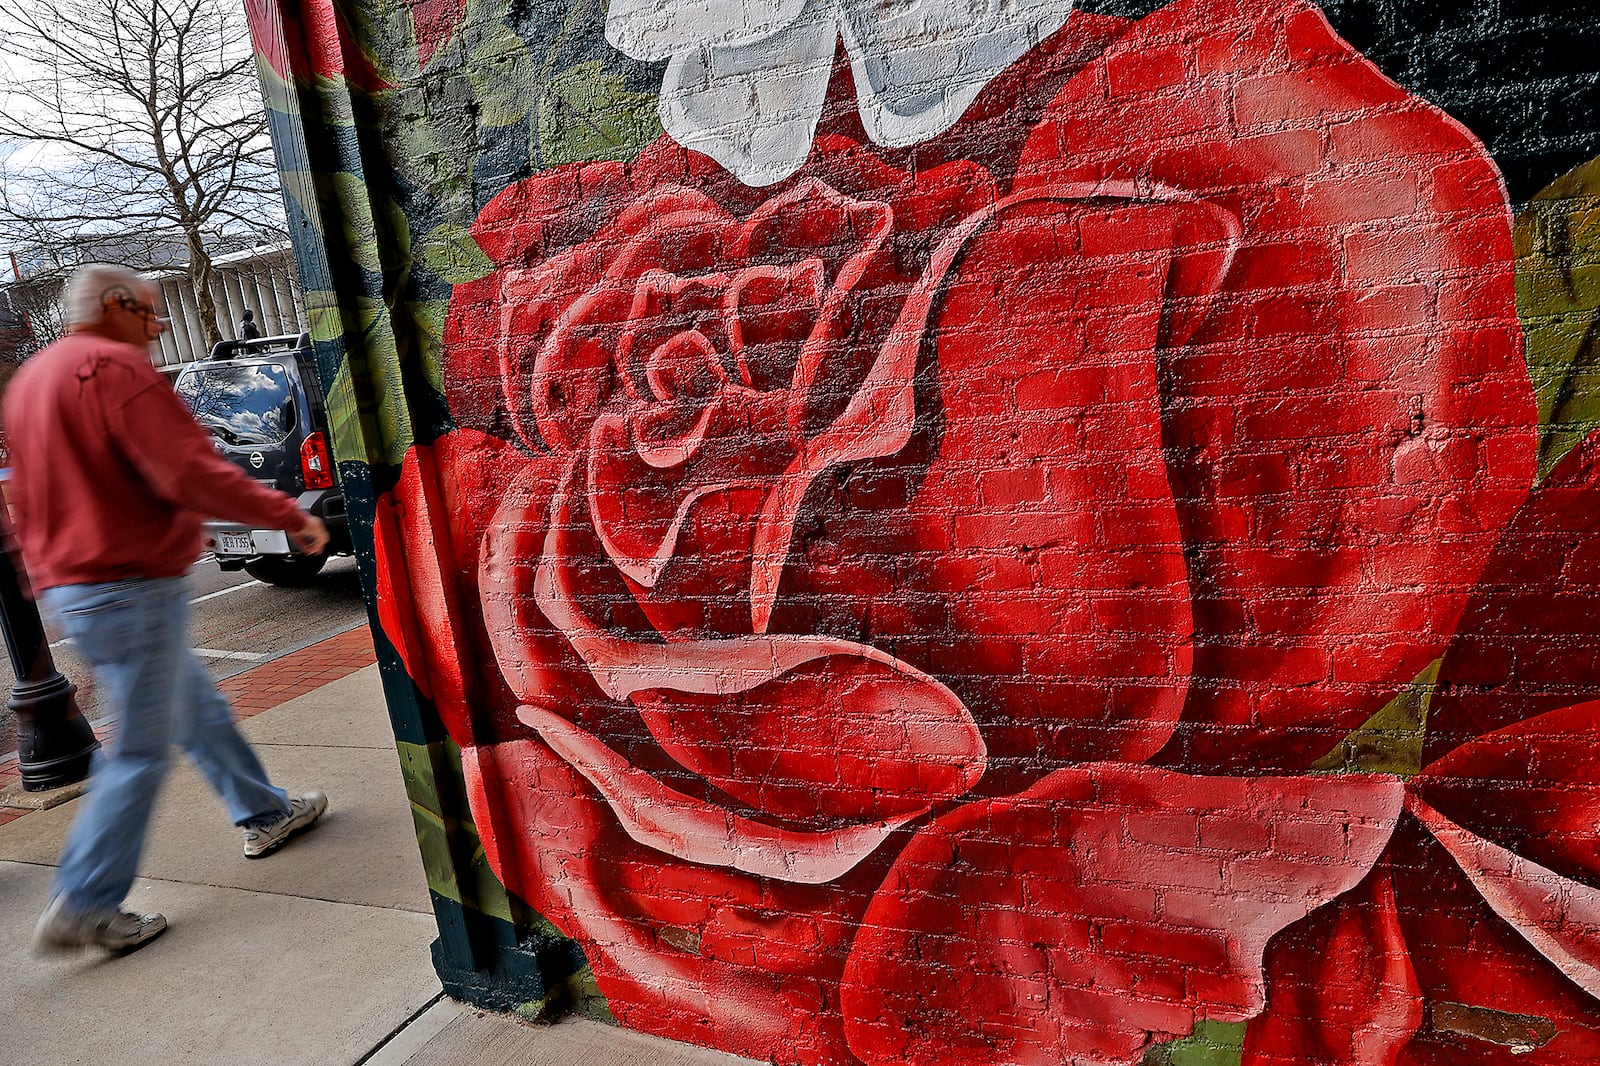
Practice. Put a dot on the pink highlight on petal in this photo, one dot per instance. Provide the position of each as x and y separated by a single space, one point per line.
696 831
1107 907
932 747
1557 915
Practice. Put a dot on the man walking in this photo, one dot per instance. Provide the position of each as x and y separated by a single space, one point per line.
111 477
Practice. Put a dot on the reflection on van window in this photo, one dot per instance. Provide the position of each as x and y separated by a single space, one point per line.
240 403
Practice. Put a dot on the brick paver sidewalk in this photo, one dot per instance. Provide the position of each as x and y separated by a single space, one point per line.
265 686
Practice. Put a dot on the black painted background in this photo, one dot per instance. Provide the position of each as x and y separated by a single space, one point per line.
1524 75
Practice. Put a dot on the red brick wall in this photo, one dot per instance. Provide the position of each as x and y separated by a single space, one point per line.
1103 576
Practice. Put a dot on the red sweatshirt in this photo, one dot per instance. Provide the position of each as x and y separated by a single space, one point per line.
110 473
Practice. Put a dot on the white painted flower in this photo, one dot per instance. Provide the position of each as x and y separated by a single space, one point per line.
746 78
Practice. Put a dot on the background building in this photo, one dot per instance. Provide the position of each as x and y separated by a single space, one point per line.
260 279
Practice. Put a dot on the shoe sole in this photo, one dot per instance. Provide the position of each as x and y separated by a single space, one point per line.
294 830
59 946
125 948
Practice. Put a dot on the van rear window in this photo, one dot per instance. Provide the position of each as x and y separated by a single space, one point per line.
240 403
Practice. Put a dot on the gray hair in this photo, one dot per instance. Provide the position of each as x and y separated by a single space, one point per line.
84 299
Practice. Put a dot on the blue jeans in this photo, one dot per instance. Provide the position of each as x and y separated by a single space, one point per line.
136 635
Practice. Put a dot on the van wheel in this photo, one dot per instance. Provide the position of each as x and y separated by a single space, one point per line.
290 571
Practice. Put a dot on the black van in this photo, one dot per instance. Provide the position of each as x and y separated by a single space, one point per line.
262 404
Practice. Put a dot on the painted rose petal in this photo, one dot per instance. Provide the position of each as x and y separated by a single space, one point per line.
700 832
651 355
1529 638
668 435
1336 519
640 504
838 737
569 361
844 236
1532 787
1106 907
452 493
1557 915
1341 988
876 422
1066 576
770 312
668 963
812 219
1489 989
799 727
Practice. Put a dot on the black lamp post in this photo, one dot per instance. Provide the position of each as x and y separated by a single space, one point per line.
54 741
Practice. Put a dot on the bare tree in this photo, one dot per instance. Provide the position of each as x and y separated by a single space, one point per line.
139 121
30 314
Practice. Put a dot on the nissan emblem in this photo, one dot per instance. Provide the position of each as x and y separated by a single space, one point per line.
256 459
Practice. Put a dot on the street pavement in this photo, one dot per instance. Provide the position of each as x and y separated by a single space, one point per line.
237 623
316 955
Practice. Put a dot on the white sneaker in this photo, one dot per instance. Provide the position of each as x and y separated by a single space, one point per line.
267 837
118 931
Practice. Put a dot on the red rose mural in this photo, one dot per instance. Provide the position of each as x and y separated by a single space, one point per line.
895 614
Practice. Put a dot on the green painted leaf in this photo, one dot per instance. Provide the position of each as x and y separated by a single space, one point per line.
1390 742
452 852
1211 1044
431 142
1558 298
450 252
367 410
351 206
502 75
441 837
587 113
428 316
277 93
322 312
344 418
326 321
386 419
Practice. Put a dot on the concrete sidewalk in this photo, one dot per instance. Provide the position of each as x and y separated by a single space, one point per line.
316 955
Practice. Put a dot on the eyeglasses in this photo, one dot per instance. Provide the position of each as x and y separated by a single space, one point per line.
145 311
135 307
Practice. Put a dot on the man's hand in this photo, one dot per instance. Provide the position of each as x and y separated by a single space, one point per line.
313 537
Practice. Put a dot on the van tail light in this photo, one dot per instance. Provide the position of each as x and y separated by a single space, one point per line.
315 463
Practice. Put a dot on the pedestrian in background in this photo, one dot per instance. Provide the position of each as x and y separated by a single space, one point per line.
248 330
111 477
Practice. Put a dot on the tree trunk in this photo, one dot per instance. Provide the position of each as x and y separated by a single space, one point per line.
200 278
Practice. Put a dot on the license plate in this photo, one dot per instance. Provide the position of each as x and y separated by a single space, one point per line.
234 543
271 541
